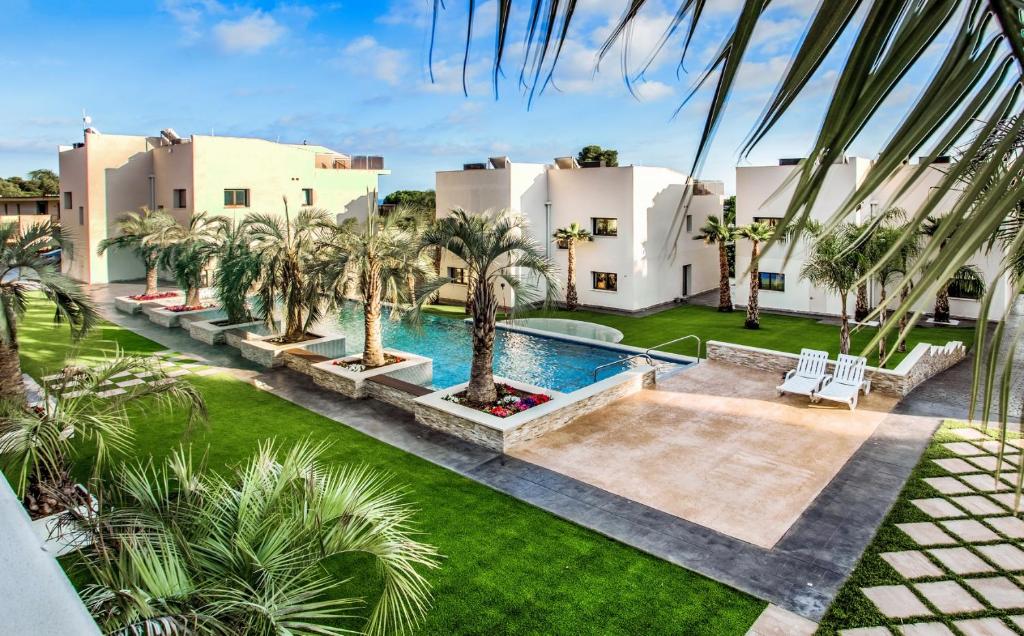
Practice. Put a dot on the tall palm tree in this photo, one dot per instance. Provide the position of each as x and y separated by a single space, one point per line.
286 249
179 548
496 247
892 257
832 263
717 232
570 236
191 249
38 445
757 233
22 272
146 233
238 268
965 275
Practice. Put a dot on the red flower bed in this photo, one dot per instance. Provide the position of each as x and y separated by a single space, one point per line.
510 401
157 296
180 308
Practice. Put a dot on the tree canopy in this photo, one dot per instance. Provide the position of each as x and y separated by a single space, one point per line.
417 200
40 182
596 153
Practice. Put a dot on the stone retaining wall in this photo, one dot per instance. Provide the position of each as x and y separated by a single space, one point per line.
158 315
396 393
923 362
234 337
271 354
213 334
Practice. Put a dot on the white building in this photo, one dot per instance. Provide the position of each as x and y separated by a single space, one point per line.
638 259
107 175
758 197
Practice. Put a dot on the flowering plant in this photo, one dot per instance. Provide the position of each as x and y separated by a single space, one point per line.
510 401
355 366
156 296
180 308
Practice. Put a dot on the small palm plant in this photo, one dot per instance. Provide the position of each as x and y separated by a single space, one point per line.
496 247
22 272
966 276
833 263
570 236
718 232
286 249
757 233
190 251
178 548
146 233
39 443
238 268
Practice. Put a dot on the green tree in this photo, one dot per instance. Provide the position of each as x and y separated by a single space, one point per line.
147 233
238 268
757 233
729 217
570 236
889 269
833 263
190 250
417 201
496 247
22 272
43 182
717 232
596 153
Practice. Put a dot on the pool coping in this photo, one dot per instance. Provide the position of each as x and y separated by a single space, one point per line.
511 322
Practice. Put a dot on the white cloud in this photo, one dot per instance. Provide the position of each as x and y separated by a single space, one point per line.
191 15
652 91
249 34
368 56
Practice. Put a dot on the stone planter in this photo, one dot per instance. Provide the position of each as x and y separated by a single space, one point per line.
213 334
413 369
501 433
268 354
169 319
126 305
234 337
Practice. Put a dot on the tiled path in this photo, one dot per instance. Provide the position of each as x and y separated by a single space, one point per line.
173 363
968 560
802 573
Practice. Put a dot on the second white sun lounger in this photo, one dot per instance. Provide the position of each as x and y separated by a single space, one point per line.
845 383
808 375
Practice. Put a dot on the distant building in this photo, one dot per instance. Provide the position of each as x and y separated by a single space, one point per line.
29 210
643 254
108 175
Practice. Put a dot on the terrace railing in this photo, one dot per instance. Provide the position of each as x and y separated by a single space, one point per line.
647 357
680 339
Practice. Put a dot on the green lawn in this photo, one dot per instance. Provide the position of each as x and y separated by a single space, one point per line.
778 331
509 568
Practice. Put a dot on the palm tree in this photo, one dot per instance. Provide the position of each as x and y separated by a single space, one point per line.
238 268
178 548
892 257
832 263
964 275
756 233
496 247
38 445
286 249
146 233
23 271
570 236
190 251
717 232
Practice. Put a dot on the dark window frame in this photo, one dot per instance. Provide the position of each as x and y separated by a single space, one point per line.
234 197
596 221
179 203
772 221
771 281
307 197
457 275
608 277
68 202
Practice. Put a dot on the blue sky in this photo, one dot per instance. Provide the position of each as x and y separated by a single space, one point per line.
353 76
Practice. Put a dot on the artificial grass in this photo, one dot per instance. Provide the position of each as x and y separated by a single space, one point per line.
508 567
851 609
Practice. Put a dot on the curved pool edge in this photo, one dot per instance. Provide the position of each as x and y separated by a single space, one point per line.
665 356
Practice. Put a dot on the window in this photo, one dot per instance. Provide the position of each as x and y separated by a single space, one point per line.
457 275
689 223
606 227
67 200
236 198
967 289
179 198
40 207
307 196
771 221
605 281
81 215
769 281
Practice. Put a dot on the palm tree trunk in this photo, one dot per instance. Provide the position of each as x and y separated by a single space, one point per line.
753 311
373 347
862 308
410 282
192 297
904 318
481 374
437 271
724 297
11 385
844 324
942 304
151 277
571 300
881 328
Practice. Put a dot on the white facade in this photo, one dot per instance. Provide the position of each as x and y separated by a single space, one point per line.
760 195
109 175
649 255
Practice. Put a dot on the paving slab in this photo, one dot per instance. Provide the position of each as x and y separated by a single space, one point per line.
955 465
989 462
911 564
776 621
969 433
925 629
970 530
977 504
999 591
937 508
984 627
948 485
985 483
961 560
948 597
896 601
1012 527
989 446
926 533
865 631
1006 556
964 449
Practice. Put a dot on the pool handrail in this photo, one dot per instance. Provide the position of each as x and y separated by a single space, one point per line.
680 339
647 356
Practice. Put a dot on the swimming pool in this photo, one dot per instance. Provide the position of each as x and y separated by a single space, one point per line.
548 362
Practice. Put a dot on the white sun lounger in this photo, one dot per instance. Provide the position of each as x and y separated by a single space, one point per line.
845 383
808 375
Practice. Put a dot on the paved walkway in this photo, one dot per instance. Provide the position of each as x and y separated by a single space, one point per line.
801 573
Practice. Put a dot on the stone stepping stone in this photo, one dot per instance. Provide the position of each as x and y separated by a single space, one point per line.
178 372
937 508
1018 443
1017 620
948 485
209 371
132 382
926 533
955 465
969 433
964 449
970 530
978 505
949 598
775 621
896 601
1006 498
121 374
961 560
999 591
911 564
1004 555
926 629
110 392
73 394
1012 527
984 627
990 446
988 462
865 631
985 483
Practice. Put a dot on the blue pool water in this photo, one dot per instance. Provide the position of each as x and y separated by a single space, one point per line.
547 362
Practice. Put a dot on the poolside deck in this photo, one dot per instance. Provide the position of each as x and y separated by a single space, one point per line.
716 446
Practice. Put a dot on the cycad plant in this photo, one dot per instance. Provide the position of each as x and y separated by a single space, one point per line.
191 250
146 233
496 247
757 233
22 272
286 248
832 263
83 410
178 548
238 268
717 232
570 236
